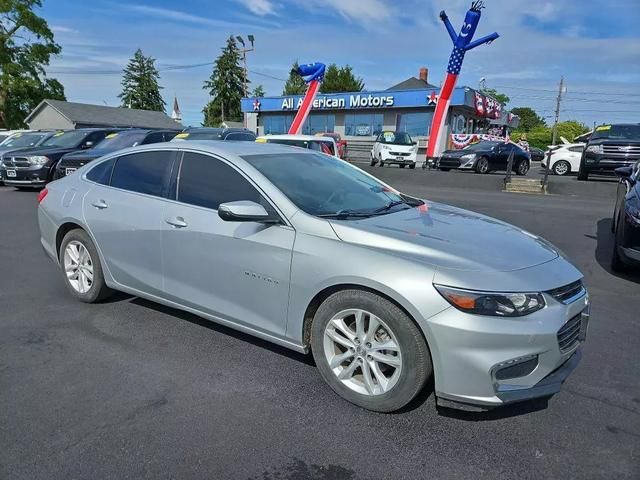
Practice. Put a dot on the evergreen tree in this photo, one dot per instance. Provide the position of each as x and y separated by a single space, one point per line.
26 46
140 88
340 79
226 87
258 92
295 84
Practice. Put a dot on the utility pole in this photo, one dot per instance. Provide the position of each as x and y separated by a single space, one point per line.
561 91
244 51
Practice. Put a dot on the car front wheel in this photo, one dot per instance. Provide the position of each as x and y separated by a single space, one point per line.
561 167
483 165
369 351
522 168
81 268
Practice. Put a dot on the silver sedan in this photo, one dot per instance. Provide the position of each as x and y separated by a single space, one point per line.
312 253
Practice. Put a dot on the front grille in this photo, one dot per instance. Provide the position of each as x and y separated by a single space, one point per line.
568 334
16 162
400 154
621 149
567 292
72 163
449 162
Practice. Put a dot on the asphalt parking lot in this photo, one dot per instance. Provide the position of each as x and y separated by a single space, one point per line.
130 389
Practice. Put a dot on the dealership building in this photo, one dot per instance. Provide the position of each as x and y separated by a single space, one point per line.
407 106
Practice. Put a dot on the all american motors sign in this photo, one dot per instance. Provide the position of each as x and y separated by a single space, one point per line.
351 101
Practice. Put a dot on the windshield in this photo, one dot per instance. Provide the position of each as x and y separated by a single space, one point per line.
395 138
617 132
480 146
326 186
198 135
24 139
116 141
72 138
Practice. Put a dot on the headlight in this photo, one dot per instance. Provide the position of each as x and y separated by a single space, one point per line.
492 303
38 160
386 147
594 149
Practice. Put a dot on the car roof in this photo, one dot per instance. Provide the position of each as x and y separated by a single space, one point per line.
295 137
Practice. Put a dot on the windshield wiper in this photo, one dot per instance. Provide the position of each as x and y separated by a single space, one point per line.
342 214
390 205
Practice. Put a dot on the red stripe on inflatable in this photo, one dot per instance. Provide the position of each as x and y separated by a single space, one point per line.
440 114
303 111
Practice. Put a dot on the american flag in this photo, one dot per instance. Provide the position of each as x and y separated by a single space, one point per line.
455 61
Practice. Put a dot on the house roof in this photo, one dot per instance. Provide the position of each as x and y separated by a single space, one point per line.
85 113
412 83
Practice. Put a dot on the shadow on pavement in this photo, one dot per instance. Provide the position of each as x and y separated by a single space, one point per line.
604 250
498 413
216 327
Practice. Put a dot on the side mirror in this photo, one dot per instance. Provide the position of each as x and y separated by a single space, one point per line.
245 211
87 145
414 143
624 172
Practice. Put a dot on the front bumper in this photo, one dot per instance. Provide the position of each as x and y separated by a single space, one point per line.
468 351
606 163
31 176
456 163
398 158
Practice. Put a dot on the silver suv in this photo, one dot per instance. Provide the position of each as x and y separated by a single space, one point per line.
307 251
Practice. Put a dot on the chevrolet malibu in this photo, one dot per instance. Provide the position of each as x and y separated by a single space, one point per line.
310 252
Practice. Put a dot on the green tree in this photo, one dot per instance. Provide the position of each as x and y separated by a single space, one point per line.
226 87
295 84
258 91
26 47
140 88
492 92
340 79
529 119
542 136
571 129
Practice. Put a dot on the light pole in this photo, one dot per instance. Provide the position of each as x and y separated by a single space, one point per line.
244 51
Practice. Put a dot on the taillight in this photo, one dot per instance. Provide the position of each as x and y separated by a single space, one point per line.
43 193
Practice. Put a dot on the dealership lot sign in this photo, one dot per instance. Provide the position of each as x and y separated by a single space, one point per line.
354 101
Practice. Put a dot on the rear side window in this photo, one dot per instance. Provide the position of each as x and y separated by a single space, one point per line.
145 172
156 137
207 182
101 173
244 137
576 149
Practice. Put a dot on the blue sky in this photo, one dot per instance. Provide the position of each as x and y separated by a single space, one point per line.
596 48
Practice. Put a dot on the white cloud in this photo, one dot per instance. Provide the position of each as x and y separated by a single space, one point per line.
62 29
259 7
356 10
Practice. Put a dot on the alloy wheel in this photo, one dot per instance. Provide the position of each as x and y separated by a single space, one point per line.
78 266
363 352
561 168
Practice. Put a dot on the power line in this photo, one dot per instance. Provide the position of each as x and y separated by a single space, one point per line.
576 91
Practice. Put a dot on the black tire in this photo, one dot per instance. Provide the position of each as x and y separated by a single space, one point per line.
412 166
482 165
402 165
98 290
617 264
373 161
561 167
444 169
416 360
583 175
381 163
522 168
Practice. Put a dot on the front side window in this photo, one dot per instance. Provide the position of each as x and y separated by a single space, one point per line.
323 185
577 149
101 173
207 182
144 172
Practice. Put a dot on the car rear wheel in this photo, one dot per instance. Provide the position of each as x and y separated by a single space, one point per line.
402 165
81 268
561 167
369 351
522 167
412 166
482 166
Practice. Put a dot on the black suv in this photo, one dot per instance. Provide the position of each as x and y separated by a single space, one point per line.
206 133
34 167
70 162
610 147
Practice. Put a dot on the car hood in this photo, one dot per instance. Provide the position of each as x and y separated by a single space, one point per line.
9 150
459 153
449 238
47 151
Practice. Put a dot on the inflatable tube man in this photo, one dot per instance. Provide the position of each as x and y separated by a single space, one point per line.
311 73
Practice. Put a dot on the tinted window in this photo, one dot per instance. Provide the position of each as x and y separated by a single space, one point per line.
156 137
208 182
245 137
96 137
101 173
116 141
145 172
68 139
576 149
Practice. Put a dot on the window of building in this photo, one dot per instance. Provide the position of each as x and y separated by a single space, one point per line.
208 182
276 124
362 124
319 123
144 172
416 124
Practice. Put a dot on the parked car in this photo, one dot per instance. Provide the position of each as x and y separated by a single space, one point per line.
7 134
322 144
394 148
610 147
565 159
309 252
206 133
20 141
484 157
626 220
35 167
70 162
537 154
340 143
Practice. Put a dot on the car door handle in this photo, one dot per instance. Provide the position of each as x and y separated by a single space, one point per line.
177 222
100 204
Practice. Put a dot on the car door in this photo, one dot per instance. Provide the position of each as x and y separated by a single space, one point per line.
499 160
575 154
237 271
125 218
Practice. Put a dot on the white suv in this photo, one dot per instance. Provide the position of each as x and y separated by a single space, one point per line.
565 158
394 148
